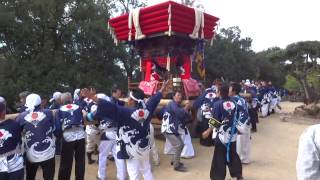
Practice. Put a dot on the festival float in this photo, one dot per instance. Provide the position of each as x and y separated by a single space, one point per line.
169 39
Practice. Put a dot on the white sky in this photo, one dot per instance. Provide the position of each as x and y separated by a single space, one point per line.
268 22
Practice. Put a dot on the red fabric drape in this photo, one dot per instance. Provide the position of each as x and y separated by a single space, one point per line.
187 68
148 69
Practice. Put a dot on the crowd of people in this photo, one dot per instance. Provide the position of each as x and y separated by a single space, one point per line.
79 125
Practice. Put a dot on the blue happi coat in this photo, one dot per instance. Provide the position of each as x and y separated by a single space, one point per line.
206 103
69 122
107 124
174 119
233 117
133 126
243 125
11 159
39 127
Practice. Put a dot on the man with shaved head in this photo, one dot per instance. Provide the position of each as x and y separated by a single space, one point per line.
69 122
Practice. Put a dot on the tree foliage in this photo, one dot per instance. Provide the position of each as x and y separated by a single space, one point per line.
56 45
231 58
300 60
292 84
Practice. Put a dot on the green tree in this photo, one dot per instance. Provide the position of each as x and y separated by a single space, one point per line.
268 66
292 84
56 45
230 56
300 60
125 6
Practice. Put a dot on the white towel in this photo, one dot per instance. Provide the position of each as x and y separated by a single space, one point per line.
32 101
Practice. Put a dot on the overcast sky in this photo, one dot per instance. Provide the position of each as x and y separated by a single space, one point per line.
268 22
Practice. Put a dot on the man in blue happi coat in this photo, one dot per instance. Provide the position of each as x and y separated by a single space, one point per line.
133 129
11 160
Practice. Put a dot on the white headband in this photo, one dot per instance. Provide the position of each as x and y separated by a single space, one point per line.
76 95
103 96
137 100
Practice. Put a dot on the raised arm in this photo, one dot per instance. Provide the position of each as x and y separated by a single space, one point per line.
106 109
155 99
198 102
153 102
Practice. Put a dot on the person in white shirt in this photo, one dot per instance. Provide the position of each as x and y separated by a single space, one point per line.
308 160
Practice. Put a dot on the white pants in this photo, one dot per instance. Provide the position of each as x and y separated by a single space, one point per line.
154 151
107 146
264 110
273 104
92 142
244 147
187 152
139 166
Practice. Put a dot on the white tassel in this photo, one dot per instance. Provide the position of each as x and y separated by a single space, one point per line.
130 26
202 25
139 34
197 24
168 62
213 38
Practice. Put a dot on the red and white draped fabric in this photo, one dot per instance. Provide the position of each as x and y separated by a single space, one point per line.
149 87
136 15
198 25
168 18
191 87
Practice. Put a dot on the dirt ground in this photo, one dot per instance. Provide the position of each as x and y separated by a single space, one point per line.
274 151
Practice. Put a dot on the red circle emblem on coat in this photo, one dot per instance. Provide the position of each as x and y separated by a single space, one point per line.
34 116
1 134
229 105
69 106
141 113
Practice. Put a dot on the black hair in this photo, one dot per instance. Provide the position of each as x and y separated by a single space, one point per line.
90 87
175 92
115 88
138 94
2 107
224 91
236 87
24 94
180 60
